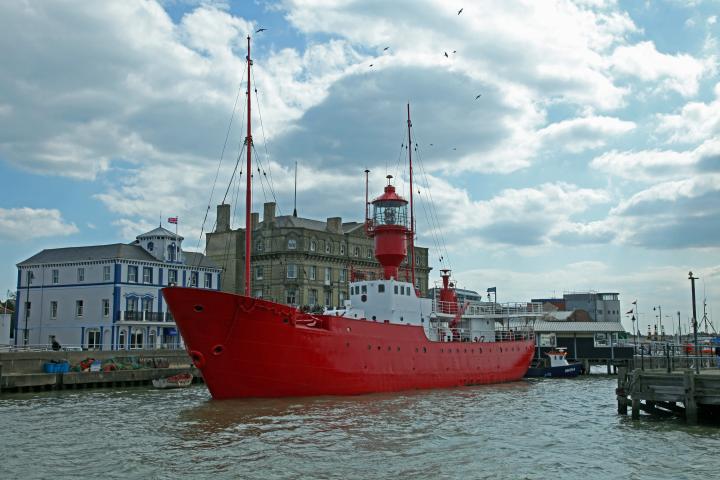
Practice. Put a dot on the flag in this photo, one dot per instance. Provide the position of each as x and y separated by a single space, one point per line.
628 313
173 220
492 289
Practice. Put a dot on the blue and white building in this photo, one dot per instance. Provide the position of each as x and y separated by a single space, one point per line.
107 297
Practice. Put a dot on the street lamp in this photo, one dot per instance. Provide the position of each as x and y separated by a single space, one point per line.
694 320
659 309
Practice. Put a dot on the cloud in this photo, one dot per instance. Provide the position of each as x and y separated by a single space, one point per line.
695 122
29 223
681 72
579 134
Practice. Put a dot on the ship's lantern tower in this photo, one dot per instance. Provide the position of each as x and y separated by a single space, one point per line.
389 227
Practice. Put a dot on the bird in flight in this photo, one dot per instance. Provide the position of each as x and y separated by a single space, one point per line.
454 148
446 55
478 96
460 11
371 65
454 51
260 30
385 48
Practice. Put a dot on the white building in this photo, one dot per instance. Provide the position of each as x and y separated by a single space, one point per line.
107 296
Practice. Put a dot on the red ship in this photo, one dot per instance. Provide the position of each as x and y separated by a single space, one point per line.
386 338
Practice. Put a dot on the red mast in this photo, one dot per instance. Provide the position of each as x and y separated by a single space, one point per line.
412 217
248 192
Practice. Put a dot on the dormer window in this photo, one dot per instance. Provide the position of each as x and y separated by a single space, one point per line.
150 246
313 245
292 244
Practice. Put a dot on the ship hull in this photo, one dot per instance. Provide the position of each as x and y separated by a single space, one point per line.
248 347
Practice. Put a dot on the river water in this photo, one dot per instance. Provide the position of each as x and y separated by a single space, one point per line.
544 428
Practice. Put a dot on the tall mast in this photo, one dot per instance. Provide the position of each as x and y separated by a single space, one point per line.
412 216
295 202
248 175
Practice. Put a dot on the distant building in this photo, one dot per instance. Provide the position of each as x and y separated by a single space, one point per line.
107 297
6 333
300 261
601 307
558 303
462 295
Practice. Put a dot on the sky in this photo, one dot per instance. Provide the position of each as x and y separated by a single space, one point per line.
558 145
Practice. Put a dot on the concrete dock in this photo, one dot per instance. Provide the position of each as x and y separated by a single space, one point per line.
23 371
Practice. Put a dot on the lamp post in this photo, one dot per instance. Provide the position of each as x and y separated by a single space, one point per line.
659 309
694 321
632 319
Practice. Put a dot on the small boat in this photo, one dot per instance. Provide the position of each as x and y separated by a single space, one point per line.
176 381
559 366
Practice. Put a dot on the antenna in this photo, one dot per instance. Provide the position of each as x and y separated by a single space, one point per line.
295 203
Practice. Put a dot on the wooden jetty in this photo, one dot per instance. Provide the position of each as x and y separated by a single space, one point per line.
668 392
23 371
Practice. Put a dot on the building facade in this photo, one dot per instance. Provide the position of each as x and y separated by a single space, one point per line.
107 297
299 261
602 307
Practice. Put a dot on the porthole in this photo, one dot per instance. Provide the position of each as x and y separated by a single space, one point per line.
363 298
424 350
417 350
285 320
198 308
369 347
379 347
442 350
374 318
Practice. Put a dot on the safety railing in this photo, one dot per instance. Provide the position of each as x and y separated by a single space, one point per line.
504 310
141 316
446 334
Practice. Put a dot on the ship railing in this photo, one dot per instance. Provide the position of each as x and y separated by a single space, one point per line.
506 310
445 334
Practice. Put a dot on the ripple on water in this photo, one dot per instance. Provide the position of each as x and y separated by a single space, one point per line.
529 429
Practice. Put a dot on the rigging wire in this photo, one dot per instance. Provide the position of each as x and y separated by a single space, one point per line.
271 183
445 257
217 173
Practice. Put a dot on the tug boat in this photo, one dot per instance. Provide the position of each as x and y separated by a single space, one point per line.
385 338
558 367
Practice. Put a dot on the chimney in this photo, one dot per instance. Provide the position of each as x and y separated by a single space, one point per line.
254 220
268 213
334 224
223 218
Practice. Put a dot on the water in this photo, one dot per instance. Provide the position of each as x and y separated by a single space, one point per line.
544 428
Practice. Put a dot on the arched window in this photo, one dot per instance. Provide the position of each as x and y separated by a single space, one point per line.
150 246
171 252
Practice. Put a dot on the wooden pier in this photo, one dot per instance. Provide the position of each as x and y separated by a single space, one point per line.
667 392
23 371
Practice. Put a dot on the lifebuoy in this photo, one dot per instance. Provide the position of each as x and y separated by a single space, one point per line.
198 359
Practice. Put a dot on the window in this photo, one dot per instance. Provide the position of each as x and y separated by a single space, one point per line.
328 299
81 274
193 279
547 340
312 297
106 273
171 252
291 271
396 289
132 274
312 272
363 289
381 288
343 275
150 246
328 275
136 339
402 290
258 293
106 307
147 274
342 249
208 280
56 276
172 276
313 245
417 261
30 276
356 251
407 291
53 309
79 307
292 244
369 252
132 304
121 339
27 309
343 295
147 304
260 245
328 246
259 273
290 297
93 339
